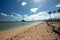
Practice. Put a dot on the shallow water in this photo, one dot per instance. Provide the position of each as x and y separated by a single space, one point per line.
8 25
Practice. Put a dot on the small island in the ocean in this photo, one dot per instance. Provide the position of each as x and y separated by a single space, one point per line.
22 20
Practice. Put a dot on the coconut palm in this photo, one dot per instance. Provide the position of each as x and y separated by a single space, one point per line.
54 12
49 13
47 21
58 10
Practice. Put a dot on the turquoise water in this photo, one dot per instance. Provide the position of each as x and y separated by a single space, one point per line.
9 25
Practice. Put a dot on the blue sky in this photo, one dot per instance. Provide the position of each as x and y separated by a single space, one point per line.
16 10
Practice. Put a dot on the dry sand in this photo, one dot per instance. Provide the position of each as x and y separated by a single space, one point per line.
40 31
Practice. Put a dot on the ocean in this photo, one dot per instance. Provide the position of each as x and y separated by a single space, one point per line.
4 25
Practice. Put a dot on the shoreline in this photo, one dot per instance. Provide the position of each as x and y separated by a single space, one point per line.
39 31
14 31
21 26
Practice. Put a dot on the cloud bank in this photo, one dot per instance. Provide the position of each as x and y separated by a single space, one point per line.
38 16
34 17
41 16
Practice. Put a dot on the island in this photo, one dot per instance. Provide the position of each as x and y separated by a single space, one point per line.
22 20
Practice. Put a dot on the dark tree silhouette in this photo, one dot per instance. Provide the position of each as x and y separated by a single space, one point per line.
54 11
58 10
23 20
49 14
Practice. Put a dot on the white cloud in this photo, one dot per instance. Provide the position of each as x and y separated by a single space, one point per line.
18 15
3 14
34 10
25 15
38 16
15 16
41 16
58 5
23 3
12 15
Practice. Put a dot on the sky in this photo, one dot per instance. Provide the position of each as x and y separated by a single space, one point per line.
29 10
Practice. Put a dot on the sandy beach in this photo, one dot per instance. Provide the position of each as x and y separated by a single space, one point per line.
15 31
40 31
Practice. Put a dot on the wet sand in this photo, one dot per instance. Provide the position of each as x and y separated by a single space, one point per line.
41 31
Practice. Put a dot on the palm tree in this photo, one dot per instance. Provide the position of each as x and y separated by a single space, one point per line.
58 10
49 14
47 21
54 12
